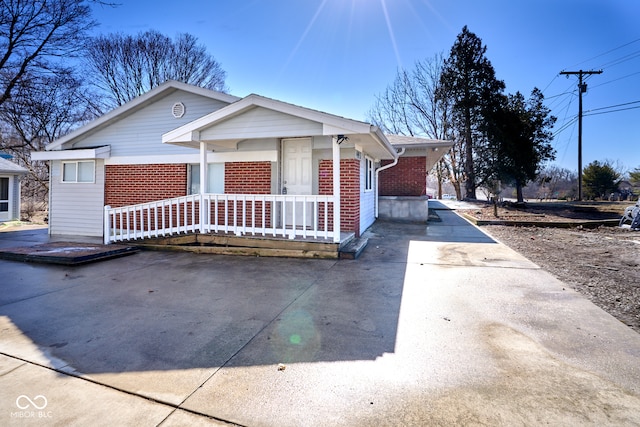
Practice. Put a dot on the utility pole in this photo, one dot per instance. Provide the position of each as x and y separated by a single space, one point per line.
582 87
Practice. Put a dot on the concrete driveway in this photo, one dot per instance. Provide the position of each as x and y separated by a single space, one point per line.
432 325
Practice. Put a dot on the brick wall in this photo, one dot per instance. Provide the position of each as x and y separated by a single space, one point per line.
133 184
248 178
349 192
407 178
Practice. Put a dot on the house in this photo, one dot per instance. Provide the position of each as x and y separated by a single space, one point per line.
181 158
10 174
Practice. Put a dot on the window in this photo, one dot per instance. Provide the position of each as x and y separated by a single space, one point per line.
4 194
216 178
368 174
83 171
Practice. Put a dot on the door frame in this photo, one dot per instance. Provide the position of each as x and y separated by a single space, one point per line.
6 216
282 170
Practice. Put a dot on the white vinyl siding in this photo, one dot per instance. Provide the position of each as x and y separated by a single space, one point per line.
14 195
77 208
261 123
141 132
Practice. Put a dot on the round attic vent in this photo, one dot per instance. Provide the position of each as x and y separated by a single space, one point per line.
178 110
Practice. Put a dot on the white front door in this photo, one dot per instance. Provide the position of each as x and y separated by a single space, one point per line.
5 198
297 175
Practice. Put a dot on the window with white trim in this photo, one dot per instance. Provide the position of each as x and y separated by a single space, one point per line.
80 171
4 194
216 178
368 174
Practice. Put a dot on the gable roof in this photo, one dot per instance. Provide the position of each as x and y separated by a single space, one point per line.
189 134
9 167
136 104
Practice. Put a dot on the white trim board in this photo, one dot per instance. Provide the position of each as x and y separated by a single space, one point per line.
235 156
82 154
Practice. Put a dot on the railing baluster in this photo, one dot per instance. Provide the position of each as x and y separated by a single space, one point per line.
226 214
284 216
244 214
164 228
253 214
304 217
217 214
326 219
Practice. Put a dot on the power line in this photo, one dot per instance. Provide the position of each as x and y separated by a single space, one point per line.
566 125
615 80
613 106
613 111
621 60
607 52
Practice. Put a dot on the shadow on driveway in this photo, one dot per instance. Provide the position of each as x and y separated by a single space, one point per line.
165 311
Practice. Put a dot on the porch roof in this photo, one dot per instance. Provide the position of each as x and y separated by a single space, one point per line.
432 149
287 121
8 167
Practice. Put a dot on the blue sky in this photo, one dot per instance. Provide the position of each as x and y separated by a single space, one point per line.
336 55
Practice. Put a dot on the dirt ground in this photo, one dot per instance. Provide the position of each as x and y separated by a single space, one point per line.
602 263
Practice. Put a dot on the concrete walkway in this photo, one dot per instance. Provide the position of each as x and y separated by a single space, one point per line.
432 325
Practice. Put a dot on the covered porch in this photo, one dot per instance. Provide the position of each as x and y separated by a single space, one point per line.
285 173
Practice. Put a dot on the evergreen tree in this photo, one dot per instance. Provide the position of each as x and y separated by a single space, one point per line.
634 176
469 79
600 179
518 141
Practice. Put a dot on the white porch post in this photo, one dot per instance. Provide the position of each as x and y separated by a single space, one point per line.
336 189
204 180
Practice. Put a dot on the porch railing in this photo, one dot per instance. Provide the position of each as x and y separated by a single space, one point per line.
288 216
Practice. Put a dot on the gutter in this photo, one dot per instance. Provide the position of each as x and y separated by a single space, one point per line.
385 167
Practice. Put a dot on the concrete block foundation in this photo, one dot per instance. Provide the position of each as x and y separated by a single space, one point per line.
403 208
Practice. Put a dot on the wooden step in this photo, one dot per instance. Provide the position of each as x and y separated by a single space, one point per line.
353 249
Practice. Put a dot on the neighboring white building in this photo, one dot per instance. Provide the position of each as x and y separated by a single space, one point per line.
10 174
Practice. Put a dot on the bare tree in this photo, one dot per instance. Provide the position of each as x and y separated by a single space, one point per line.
39 111
126 66
35 34
415 104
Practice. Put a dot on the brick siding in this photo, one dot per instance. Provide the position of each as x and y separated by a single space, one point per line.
349 193
407 178
133 184
248 178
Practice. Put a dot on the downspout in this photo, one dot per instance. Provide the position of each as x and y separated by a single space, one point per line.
381 168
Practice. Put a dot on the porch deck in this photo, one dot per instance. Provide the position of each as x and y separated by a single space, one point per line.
249 224
230 244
